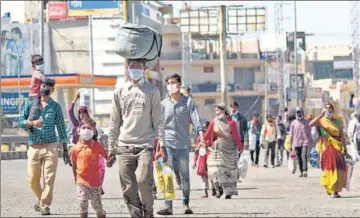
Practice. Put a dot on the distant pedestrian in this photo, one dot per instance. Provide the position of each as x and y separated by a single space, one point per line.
254 127
268 140
301 139
280 141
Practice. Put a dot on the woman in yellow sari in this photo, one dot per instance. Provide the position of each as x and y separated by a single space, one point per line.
332 149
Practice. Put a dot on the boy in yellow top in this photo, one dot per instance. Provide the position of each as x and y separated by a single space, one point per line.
268 140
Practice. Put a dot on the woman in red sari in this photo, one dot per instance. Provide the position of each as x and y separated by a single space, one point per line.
225 142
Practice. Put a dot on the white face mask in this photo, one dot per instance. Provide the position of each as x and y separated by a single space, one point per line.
221 116
136 74
40 67
172 88
86 134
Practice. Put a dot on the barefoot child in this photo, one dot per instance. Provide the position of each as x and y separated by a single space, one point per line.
86 156
204 177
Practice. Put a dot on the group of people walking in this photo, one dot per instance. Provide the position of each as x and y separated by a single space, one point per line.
138 115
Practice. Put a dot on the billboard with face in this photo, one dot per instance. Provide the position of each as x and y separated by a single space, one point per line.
18 43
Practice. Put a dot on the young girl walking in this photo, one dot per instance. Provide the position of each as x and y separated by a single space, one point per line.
86 156
200 163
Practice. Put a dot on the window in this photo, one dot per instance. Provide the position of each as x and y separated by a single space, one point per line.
208 69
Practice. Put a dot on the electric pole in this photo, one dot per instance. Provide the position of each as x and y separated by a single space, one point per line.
279 29
296 57
355 26
125 8
222 39
41 32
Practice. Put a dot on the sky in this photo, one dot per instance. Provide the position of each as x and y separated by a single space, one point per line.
330 21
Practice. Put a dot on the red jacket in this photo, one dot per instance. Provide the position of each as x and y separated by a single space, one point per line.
210 134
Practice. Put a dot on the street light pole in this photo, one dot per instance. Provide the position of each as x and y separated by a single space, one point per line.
296 57
41 32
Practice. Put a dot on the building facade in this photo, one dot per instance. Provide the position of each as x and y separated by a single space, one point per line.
245 72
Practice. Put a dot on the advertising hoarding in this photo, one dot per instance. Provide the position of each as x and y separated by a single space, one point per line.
85 8
10 101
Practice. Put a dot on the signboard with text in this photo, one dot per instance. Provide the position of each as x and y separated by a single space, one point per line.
85 8
10 101
59 11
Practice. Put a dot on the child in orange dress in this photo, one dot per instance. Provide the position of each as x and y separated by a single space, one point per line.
86 156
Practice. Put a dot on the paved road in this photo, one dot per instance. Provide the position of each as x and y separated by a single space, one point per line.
265 193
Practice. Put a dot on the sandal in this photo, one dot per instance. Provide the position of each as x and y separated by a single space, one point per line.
188 211
336 195
165 212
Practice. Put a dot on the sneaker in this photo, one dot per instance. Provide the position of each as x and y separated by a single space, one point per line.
273 166
228 197
45 211
305 174
301 175
265 166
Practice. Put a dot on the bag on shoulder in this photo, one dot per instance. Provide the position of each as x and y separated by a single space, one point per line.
134 41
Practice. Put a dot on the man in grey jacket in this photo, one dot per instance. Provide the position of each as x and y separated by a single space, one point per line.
135 120
178 110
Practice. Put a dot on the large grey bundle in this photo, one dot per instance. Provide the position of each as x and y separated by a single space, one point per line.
134 41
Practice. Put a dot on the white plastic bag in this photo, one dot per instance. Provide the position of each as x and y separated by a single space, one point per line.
349 171
84 98
292 163
243 164
252 141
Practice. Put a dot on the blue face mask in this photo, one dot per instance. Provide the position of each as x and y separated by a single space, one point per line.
40 67
136 74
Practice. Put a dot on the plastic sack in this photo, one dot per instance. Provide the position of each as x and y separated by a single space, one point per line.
134 41
287 144
243 164
292 163
84 98
252 141
349 171
168 175
158 176
314 158
314 134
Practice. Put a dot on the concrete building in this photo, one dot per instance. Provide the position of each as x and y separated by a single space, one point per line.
69 41
245 72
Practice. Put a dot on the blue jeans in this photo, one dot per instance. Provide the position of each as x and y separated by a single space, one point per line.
179 158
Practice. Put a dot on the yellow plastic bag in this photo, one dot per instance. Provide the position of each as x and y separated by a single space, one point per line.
287 144
158 177
168 175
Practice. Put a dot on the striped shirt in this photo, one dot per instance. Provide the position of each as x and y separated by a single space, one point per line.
52 116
